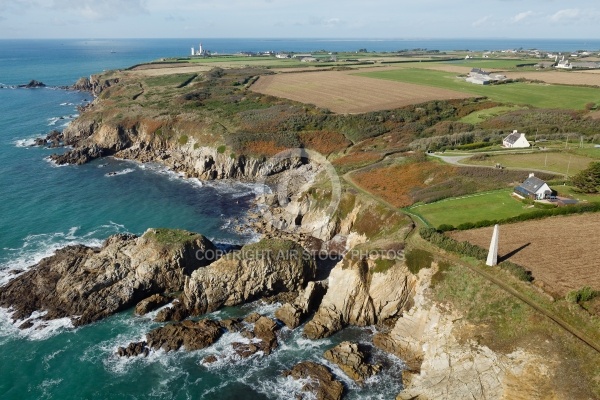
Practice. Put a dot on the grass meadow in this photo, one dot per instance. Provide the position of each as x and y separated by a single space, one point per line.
519 93
477 207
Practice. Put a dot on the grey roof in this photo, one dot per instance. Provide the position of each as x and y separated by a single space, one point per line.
478 71
512 138
532 184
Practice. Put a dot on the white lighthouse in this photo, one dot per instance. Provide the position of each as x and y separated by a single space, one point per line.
200 51
193 51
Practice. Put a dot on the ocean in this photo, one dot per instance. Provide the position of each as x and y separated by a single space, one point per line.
44 207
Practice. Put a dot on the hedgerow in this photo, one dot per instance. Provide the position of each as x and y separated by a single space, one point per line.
471 250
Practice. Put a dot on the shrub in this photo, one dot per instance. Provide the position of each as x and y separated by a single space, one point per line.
183 139
586 293
417 259
446 228
516 270
221 149
588 180
382 265
470 250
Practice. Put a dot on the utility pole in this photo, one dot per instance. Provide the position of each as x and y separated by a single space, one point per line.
546 160
569 165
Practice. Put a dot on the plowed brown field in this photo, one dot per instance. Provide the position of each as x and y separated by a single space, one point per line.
558 77
344 93
561 252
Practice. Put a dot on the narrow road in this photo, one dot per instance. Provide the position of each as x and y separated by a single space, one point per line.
456 160
486 275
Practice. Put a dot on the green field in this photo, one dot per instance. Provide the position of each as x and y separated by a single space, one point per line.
488 63
498 204
554 161
519 93
480 116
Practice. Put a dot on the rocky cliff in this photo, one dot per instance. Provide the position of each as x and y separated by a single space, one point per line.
262 269
440 365
87 284
362 294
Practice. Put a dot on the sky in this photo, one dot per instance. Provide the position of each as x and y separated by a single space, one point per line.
393 19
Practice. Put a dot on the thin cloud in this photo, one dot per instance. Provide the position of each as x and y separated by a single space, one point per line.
523 15
566 14
101 10
482 21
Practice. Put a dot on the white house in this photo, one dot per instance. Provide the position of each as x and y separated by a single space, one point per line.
534 188
515 140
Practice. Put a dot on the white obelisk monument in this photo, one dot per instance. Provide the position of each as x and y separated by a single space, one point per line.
492 258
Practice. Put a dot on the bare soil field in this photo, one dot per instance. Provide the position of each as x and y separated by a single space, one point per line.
168 69
559 77
344 93
561 252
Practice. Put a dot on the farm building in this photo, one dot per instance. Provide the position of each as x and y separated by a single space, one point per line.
534 188
515 140
481 77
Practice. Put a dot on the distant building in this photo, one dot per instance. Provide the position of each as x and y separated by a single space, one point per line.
535 189
301 56
308 59
200 51
282 55
481 77
564 64
515 140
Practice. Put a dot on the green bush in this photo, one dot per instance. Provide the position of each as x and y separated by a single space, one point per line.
383 264
417 259
518 271
183 139
586 293
446 228
221 149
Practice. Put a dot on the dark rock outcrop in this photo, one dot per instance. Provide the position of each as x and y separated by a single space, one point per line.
79 156
150 304
94 84
33 84
88 284
134 349
352 361
192 335
321 382
264 331
177 312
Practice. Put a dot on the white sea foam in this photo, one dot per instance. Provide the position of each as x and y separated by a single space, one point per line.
28 142
35 247
285 388
262 308
53 164
40 330
117 173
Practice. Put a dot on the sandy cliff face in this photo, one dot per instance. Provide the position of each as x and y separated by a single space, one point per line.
442 366
258 270
358 295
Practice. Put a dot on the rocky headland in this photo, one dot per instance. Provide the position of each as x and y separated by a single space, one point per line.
356 284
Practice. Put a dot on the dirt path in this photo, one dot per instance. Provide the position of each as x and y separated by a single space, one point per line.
418 222
456 160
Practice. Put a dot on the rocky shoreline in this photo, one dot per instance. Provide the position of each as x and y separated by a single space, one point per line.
180 274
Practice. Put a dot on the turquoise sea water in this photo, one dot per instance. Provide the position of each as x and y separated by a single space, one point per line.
44 207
